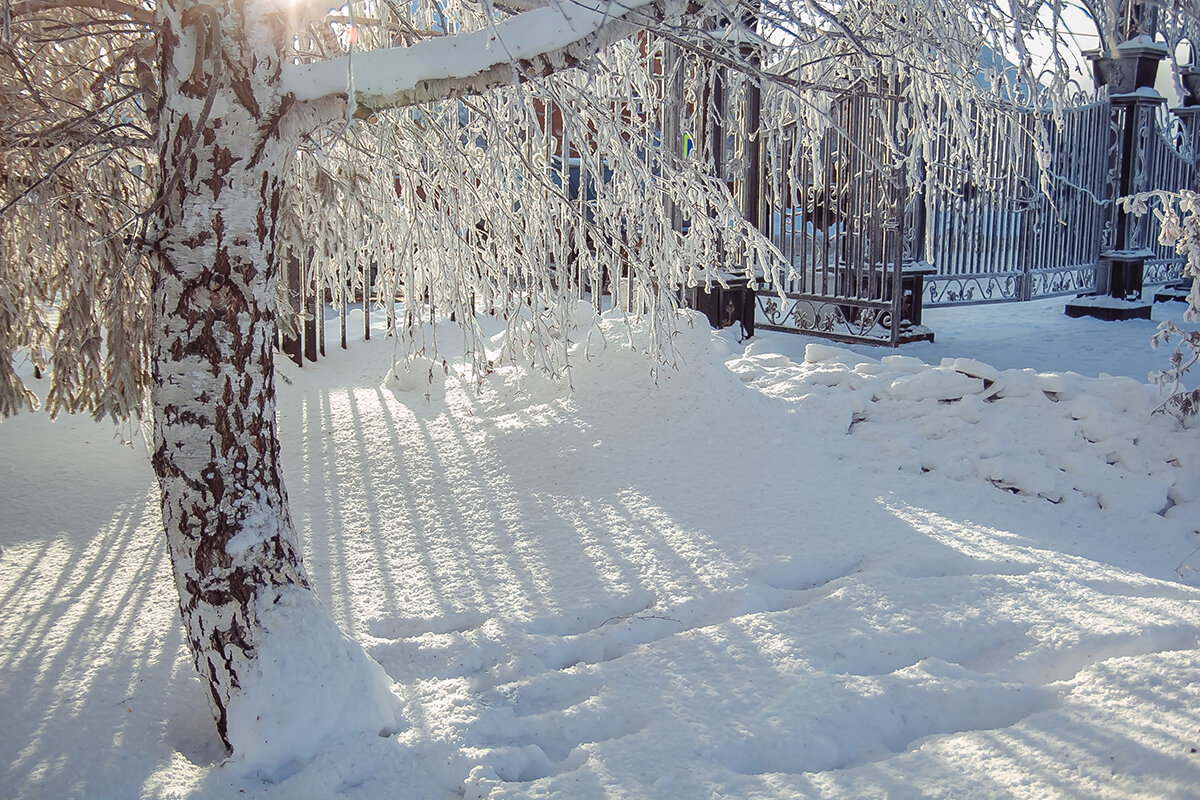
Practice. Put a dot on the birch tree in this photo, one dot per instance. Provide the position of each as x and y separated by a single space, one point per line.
205 96
160 159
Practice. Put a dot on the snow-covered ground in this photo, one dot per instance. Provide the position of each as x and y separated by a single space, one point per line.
762 575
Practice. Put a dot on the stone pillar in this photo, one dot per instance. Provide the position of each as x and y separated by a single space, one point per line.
1128 72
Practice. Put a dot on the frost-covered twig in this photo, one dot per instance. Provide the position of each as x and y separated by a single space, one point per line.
1178 215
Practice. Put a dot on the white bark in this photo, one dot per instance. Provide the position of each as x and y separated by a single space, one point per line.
225 141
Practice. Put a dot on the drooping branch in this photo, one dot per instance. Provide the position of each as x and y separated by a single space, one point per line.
137 13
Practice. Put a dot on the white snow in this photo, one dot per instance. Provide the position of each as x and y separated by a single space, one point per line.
383 73
785 569
309 688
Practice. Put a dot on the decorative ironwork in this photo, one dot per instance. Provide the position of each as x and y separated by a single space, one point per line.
837 212
1063 281
1171 164
1112 185
969 289
833 318
1018 236
1161 270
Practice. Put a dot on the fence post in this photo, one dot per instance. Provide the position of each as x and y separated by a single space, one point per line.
752 196
1129 74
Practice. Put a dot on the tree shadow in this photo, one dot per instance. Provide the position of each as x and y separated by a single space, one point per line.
93 676
522 543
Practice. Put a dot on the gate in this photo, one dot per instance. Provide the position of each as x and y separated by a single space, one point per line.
1165 157
995 219
836 211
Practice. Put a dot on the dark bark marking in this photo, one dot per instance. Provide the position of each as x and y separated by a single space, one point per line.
220 269
245 93
222 160
194 88
197 241
218 704
274 203
168 40
183 136
269 130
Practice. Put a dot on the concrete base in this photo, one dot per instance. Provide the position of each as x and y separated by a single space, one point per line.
1167 294
1174 291
915 333
1109 309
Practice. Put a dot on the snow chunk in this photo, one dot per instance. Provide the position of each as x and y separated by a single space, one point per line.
936 383
969 366
816 353
419 375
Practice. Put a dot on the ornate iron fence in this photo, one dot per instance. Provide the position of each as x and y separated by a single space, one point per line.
1165 158
1023 231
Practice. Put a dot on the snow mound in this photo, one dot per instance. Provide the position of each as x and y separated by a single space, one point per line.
630 351
1062 437
310 686
418 375
613 357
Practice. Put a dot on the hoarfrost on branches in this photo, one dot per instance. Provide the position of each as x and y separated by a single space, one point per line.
1178 215
162 164
484 201
76 169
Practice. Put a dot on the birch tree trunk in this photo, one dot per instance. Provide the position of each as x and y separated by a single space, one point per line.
281 678
234 553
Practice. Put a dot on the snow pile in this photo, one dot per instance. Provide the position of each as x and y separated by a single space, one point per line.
1058 436
309 687
420 375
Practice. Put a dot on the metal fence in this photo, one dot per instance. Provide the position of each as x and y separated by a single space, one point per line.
1025 210
1024 231
1164 158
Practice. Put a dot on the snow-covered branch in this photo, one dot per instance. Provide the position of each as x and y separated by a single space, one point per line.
532 43
135 12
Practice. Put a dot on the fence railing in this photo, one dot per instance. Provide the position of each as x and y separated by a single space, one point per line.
1035 226
1171 145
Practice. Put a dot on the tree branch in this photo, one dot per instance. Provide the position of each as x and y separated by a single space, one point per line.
135 13
530 44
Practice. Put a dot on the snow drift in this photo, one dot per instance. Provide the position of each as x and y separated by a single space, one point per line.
745 576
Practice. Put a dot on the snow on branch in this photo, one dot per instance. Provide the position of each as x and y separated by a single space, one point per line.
135 12
536 42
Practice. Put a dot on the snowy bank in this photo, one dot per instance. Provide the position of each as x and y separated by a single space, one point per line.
750 576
